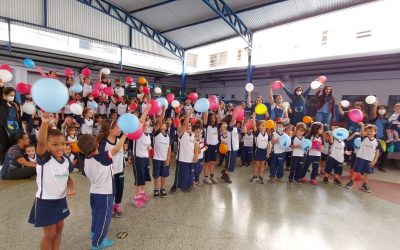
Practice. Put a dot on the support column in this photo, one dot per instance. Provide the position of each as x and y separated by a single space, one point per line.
9 34
249 69
45 13
183 76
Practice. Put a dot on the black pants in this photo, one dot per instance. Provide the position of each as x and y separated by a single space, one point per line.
119 180
382 159
20 173
296 168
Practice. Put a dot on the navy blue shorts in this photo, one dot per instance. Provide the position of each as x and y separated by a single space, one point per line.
141 171
324 157
159 169
232 155
184 175
260 154
211 153
333 164
362 166
48 212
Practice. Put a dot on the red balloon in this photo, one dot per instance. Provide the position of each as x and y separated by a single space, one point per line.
86 72
277 85
28 89
133 106
71 102
322 79
213 102
177 122
129 80
146 90
137 134
249 124
170 97
177 110
151 153
108 91
95 93
68 72
6 67
155 107
193 120
193 96
356 115
21 88
278 119
239 114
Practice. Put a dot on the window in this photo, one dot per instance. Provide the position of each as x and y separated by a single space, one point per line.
393 99
324 37
356 98
191 60
312 105
219 59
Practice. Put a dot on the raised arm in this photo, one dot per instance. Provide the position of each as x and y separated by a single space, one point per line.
340 109
185 124
119 145
374 111
362 132
288 93
143 118
233 121
205 118
100 74
159 120
42 137
271 95
249 100
307 92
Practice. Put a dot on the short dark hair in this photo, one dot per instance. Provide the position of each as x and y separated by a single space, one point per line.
195 127
87 144
54 133
8 90
28 146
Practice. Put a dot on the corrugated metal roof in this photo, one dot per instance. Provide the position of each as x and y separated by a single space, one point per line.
32 10
131 5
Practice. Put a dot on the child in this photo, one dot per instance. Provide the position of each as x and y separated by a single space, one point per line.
50 206
247 150
30 153
314 155
107 140
211 138
87 125
223 139
335 160
197 130
71 138
288 150
98 169
326 149
297 163
127 154
260 155
162 156
123 106
97 125
277 155
141 148
87 87
367 156
118 89
71 157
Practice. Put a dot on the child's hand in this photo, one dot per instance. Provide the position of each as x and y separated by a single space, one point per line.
361 124
148 107
372 163
46 117
70 192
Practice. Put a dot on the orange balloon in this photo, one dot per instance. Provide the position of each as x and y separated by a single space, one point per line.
307 119
142 80
270 124
74 148
223 148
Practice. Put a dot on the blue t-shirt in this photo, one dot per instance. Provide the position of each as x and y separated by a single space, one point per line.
12 120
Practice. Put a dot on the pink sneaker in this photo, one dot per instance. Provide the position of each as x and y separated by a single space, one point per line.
314 182
144 197
138 202
118 210
303 180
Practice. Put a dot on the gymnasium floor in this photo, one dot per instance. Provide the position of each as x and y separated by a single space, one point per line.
237 216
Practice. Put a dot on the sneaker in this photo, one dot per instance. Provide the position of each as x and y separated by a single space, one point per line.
382 170
114 215
188 190
260 180
303 180
366 188
118 210
337 182
144 197
349 184
193 187
156 193
253 179
173 190
104 244
226 178
326 180
138 202
207 180
271 179
297 181
213 180
281 180
163 193
322 172
198 183
313 182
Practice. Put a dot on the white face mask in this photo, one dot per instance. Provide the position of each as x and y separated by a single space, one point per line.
299 92
10 98
382 111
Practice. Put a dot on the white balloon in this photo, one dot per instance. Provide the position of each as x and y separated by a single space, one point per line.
5 75
249 87
175 103
157 90
315 84
29 108
105 71
345 104
76 109
370 99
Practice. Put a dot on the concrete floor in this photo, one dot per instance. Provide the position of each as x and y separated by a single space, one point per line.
237 216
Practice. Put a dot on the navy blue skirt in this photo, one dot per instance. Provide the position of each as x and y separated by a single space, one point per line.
48 212
260 154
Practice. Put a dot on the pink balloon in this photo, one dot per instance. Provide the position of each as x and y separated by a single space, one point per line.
98 86
239 113
129 80
96 93
86 72
249 124
108 91
21 88
146 90
277 85
68 72
170 97
72 102
322 79
356 115
28 89
213 102
193 96
137 134
6 67
155 107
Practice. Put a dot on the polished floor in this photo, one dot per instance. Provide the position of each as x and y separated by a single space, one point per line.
241 215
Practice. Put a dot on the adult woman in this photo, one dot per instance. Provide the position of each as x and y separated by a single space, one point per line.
278 110
298 105
379 117
10 118
326 105
252 107
15 166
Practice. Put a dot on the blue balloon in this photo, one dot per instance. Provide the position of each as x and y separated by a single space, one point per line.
305 144
340 134
357 142
28 63
76 88
162 101
285 141
93 105
128 123
50 94
202 105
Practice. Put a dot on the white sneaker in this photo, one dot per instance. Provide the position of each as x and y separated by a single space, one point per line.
207 180
244 166
214 180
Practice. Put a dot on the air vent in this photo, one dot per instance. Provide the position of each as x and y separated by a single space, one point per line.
219 59
363 34
191 60
324 37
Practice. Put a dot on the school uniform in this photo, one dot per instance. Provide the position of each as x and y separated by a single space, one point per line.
366 155
278 156
297 163
141 159
211 138
223 139
121 109
87 127
185 165
50 205
99 170
71 158
72 138
314 157
86 90
199 165
233 147
102 109
326 149
336 158
288 156
247 150
261 140
120 91
31 159
161 146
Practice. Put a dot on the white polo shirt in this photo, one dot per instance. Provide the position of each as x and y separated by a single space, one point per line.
98 170
368 149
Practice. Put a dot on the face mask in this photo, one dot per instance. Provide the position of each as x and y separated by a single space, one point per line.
382 111
279 101
299 92
10 98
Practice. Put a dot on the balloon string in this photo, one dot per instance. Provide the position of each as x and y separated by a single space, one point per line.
41 72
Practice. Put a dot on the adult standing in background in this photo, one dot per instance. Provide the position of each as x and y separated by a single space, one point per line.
326 105
252 107
278 110
298 105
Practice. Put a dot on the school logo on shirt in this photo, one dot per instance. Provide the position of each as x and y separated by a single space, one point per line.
64 175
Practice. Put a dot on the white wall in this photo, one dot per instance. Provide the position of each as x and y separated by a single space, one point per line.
381 84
